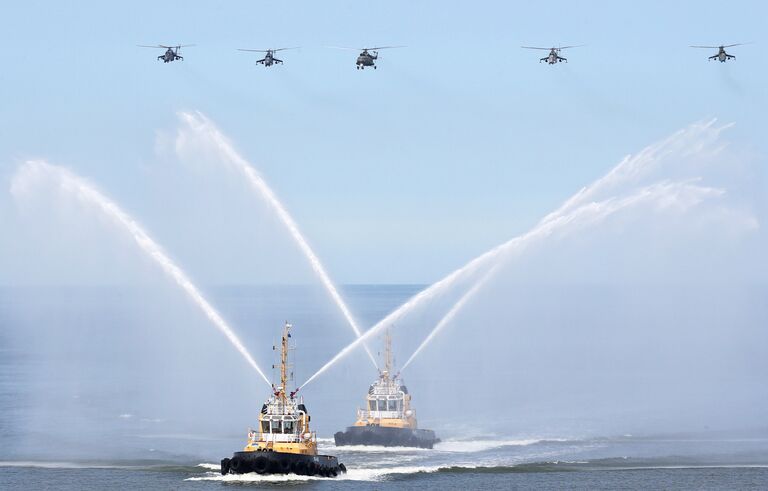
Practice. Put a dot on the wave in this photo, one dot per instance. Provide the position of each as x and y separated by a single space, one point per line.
366 474
374 449
143 465
60 465
471 446
448 446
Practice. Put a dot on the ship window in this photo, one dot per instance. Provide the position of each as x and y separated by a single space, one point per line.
265 426
288 426
392 405
372 405
275 426
382 404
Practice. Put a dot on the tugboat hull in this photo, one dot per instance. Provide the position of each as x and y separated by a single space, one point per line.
269 462
385 436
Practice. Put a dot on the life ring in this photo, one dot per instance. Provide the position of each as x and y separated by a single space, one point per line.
236 464
224 466
260 465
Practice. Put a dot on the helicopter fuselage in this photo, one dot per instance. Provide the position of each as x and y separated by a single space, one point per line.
553 57
366 59
721 56
169 56
269 60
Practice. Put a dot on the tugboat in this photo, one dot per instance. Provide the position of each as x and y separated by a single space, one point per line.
388 419
283 444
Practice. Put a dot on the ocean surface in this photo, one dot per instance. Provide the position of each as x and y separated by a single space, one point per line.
112 388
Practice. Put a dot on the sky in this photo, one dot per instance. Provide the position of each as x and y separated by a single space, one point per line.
456 143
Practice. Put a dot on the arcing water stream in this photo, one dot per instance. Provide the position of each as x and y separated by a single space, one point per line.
33 172
205 130
680 194
696 139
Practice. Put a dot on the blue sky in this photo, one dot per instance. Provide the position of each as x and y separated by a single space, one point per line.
455 144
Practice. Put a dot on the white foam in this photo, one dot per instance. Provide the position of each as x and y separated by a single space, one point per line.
376 449
368 474
469 446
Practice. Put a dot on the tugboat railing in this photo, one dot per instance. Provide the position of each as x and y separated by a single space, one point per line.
363 414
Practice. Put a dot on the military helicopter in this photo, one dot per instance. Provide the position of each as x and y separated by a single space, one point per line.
721 54
554 53
171 52
269 58
367 56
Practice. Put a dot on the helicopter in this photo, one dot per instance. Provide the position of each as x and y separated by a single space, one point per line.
554 53
171 52
721 54
368 56
269 58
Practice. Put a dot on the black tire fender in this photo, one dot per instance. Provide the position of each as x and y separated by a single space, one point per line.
260 465
235 464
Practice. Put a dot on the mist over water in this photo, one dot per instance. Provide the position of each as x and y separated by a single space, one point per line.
36 173
688 153
636 307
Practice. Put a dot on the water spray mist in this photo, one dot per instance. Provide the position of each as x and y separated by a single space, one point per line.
205 129
34 171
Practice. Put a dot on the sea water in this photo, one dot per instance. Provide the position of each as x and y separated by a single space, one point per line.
149 450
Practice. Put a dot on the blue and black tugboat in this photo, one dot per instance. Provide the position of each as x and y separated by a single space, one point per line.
283 442
388 419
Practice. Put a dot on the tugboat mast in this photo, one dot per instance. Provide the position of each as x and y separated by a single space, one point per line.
282 390
284 360
387 355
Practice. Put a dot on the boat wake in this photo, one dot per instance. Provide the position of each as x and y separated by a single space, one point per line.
471 446
365 474
448 446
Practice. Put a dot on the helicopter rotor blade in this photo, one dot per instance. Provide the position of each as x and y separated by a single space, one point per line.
732 45
254 50
576 46
155 46
705 47
283 49
384 47
536 47
346 48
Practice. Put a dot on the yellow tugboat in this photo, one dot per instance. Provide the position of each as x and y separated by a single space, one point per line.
283 443
388 418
